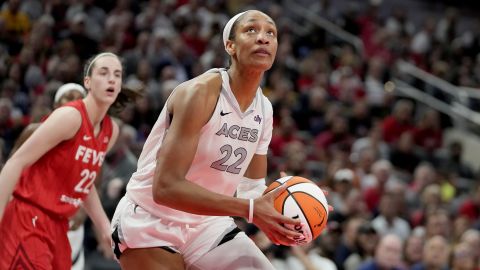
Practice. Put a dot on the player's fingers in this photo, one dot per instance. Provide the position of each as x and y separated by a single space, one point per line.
283 174
286 241
279 190
281 219
330 208
289 233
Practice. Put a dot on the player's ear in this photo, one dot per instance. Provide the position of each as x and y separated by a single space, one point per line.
230 47
86 82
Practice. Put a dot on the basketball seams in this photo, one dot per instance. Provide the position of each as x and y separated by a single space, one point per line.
306 196
279 182
299 183
320 203
282 204
310 195
313 190
309 221
290 194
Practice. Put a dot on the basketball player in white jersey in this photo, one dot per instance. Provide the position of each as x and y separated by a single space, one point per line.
210 141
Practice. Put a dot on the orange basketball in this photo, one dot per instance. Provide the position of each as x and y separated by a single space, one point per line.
302 200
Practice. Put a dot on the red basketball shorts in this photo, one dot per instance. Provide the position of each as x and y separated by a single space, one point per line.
31 239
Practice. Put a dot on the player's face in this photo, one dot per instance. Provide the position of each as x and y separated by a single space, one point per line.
105 80
255 41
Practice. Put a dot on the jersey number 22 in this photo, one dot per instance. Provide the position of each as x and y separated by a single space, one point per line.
88 178
240 153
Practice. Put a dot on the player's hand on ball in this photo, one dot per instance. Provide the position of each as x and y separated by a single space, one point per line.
271 221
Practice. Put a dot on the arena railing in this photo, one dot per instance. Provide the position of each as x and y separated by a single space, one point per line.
410 80
325 24
459 113
462 100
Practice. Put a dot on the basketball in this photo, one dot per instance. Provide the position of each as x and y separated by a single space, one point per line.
302 200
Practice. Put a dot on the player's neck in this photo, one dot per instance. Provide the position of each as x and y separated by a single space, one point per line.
96 111
244 85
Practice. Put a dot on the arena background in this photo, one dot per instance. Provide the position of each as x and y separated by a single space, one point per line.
377 101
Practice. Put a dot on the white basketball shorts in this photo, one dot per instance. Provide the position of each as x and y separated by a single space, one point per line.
133 227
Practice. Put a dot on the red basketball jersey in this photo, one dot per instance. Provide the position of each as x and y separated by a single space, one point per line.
61 179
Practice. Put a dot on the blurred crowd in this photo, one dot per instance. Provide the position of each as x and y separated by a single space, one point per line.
403 199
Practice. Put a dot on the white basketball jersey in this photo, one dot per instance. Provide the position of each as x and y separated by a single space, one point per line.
226 146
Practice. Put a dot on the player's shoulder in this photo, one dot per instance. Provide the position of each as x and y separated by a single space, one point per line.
66 121
66 115
203 90
206 84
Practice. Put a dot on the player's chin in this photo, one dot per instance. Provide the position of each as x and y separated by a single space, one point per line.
109 99
262 65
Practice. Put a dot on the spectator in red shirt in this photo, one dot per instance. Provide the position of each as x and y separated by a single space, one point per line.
337 137
428 132
395 125
283 134
382 173
471 206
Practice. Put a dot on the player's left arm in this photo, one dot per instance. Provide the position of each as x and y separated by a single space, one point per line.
95 211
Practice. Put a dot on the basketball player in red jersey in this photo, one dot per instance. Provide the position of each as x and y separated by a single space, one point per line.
210 140
53 172
66 93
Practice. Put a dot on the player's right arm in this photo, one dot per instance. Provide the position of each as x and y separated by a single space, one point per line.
192 105
61 125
